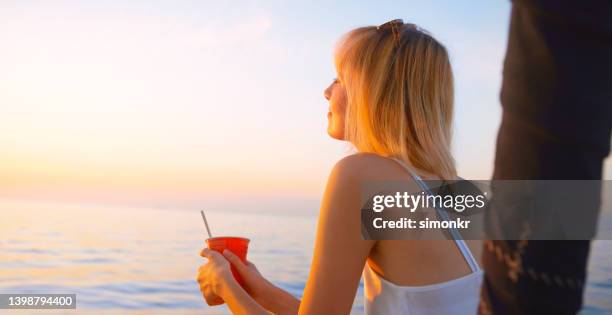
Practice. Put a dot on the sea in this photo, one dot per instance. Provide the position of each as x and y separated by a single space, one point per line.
125 260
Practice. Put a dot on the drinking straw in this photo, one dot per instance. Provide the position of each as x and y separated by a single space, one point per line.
206 224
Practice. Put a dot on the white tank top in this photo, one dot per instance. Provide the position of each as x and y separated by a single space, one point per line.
458 296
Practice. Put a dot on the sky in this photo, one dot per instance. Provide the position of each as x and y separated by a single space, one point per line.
208 103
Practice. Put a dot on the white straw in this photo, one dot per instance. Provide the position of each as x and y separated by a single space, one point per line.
206 223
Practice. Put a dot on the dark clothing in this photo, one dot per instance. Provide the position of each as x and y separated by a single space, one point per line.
557 118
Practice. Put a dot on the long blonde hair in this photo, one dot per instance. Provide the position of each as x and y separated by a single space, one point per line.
399 86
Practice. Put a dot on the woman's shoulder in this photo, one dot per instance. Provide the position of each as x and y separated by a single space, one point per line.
364 166
364 159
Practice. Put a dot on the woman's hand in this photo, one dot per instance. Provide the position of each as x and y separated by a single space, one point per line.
217 283
254 283
214 276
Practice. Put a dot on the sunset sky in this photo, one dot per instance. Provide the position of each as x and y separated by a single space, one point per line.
192 103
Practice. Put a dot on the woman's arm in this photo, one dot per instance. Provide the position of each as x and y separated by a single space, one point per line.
340 252
339 255
279 301
239 301
271 297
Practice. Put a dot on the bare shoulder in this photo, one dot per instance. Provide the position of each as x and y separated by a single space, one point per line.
364 166
345 183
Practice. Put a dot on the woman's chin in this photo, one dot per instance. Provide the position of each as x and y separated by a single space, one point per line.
334 135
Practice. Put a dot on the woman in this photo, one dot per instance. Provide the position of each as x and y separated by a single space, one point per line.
393 101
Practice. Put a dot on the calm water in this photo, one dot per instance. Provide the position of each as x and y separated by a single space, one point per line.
135 261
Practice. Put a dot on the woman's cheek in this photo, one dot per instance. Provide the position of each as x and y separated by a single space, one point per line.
340 126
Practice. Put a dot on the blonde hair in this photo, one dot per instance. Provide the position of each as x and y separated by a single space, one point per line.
399 96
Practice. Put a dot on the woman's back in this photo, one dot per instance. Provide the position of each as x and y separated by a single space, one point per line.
417 276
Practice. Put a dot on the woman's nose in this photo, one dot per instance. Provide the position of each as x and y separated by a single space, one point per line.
327 93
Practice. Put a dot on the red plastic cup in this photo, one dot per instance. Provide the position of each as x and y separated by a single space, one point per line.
237 245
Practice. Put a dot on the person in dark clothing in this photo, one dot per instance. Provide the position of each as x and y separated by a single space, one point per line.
557 116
